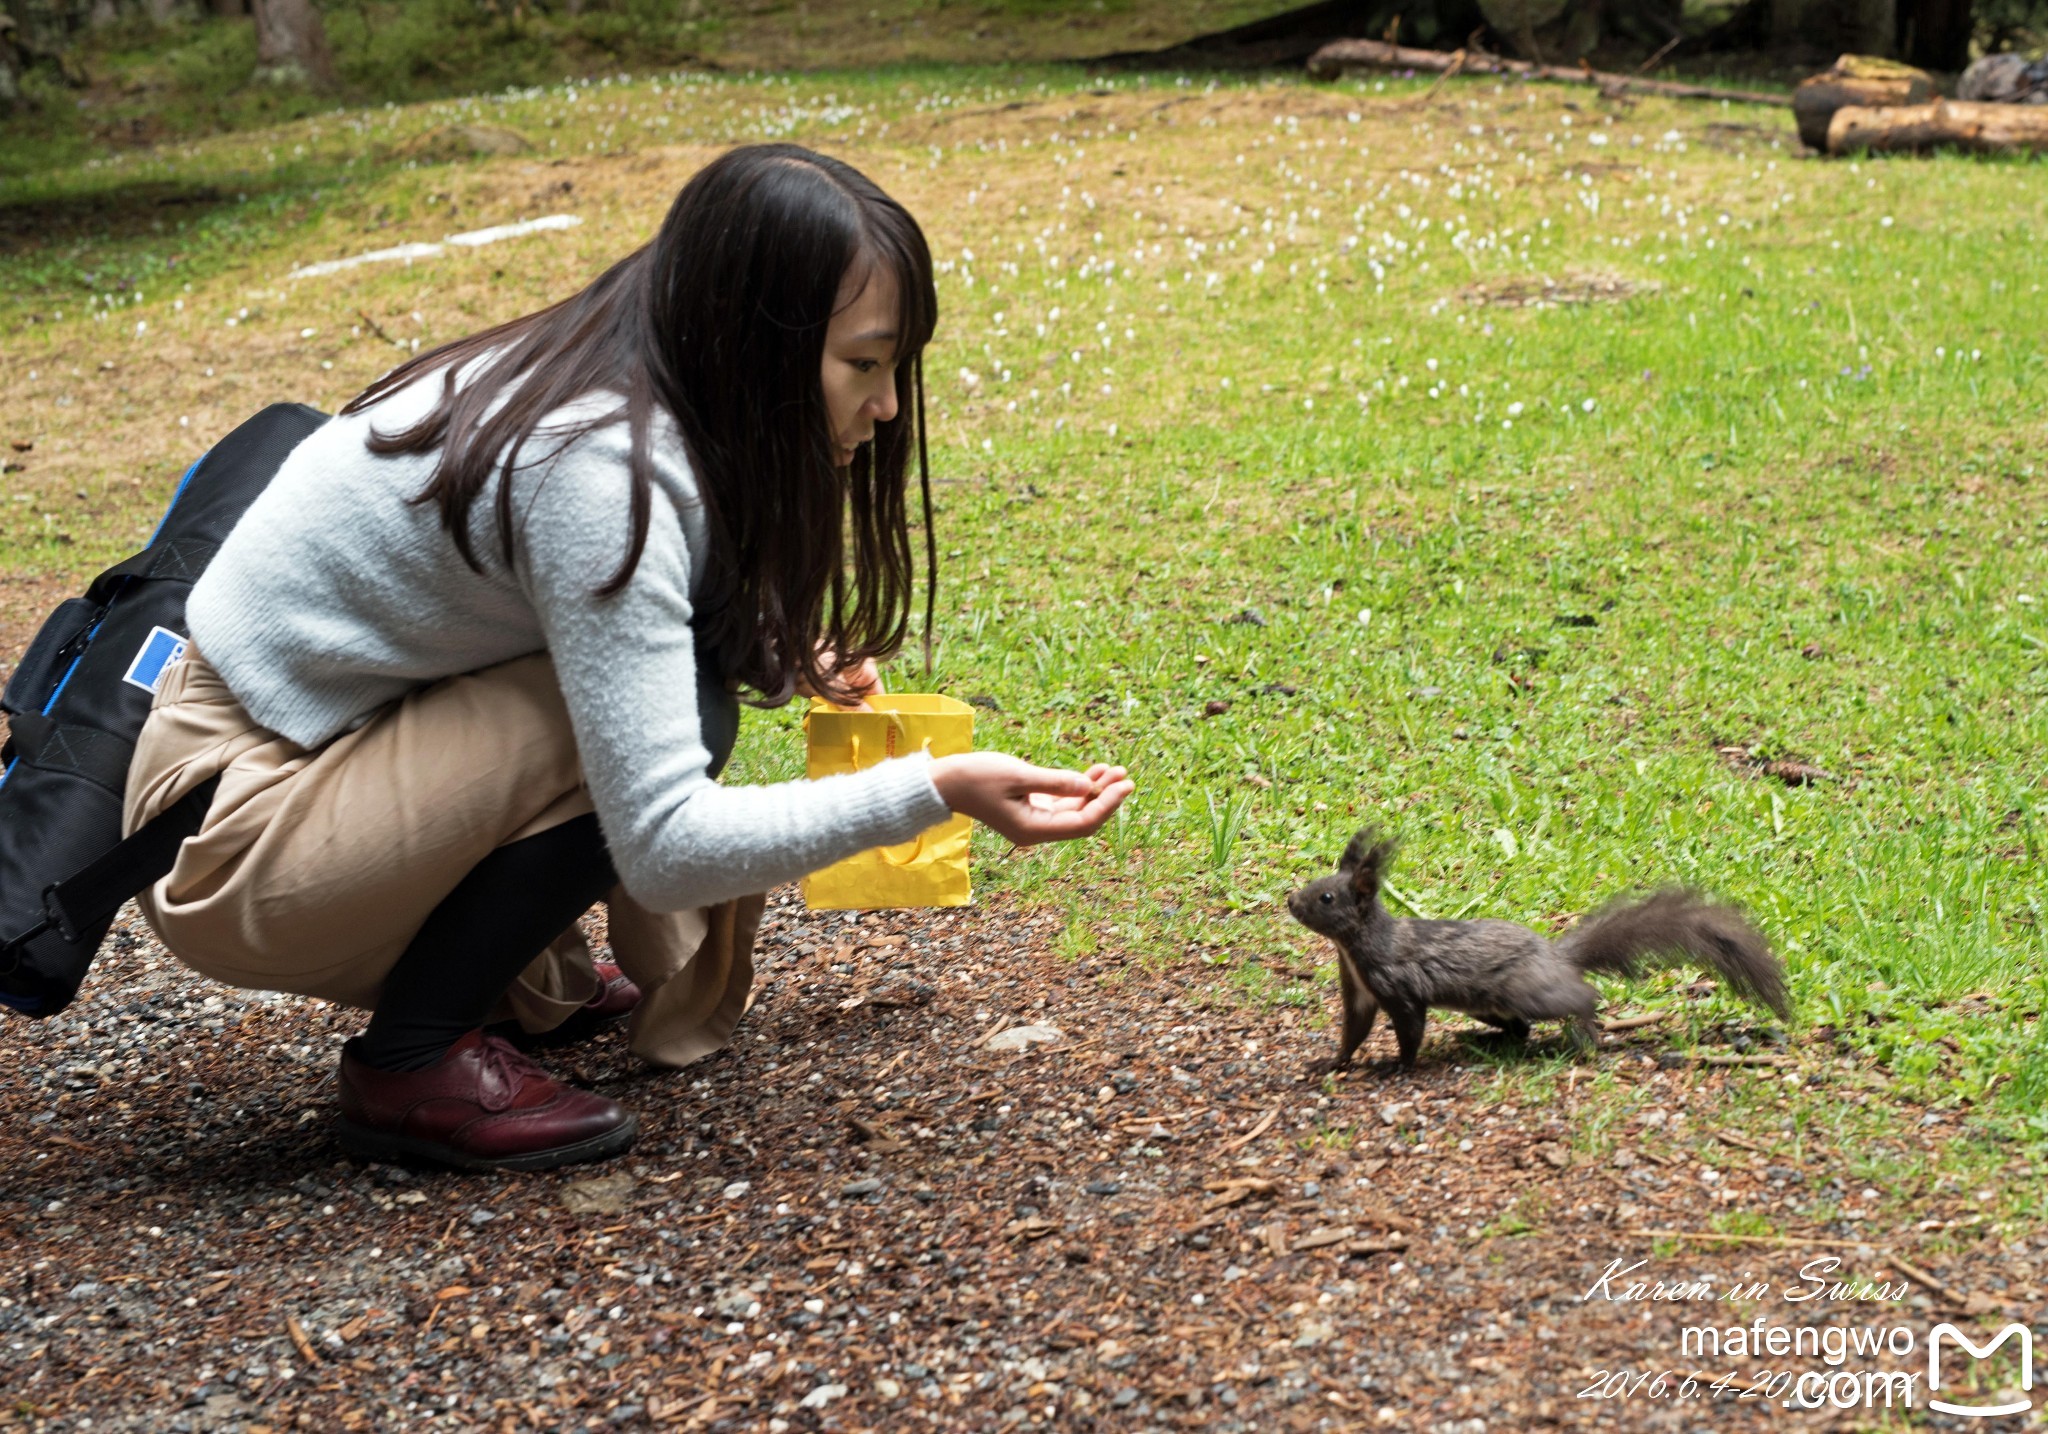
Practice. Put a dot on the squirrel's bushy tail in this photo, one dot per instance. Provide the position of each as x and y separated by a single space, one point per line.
1675 925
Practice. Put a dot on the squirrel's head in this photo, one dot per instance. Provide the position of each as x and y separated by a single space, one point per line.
1339 906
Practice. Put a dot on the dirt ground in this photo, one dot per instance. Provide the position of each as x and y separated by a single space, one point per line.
861 1217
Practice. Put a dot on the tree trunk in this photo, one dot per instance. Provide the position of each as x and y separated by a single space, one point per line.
45 28
1935 34
1545 30
291 44
10 66
1855 80
1959 124
1866 27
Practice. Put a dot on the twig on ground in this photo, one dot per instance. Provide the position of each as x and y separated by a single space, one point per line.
1920 1276
1635 1023
1250 1135
376 328
1829 1241
1456 66
1342 56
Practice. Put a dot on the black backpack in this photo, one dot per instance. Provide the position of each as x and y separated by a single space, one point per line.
77 703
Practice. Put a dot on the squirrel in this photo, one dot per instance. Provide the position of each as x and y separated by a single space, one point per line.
1506 974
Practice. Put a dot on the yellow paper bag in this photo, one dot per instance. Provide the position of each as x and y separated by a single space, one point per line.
930 871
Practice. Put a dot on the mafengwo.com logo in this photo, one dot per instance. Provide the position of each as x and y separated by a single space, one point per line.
1980 1352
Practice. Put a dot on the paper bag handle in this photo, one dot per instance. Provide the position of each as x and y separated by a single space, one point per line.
888 853
888 745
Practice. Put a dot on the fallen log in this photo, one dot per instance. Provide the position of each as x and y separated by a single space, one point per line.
1855 80
1952 124
1342 57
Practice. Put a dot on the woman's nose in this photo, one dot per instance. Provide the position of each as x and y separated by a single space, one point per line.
883 405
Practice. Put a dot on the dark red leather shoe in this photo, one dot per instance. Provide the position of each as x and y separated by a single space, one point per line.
482 1106
617 998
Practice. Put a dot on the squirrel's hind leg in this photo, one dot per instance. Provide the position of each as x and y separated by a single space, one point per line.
1584 1032
1573 1001
1581 1024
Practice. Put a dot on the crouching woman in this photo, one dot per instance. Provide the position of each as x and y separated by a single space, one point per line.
467 666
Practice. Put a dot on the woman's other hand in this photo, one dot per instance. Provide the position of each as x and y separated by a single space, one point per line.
1030 804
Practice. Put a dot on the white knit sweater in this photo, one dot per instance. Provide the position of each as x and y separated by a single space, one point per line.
334 595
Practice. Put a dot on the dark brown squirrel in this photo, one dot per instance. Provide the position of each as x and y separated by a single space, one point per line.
1505 974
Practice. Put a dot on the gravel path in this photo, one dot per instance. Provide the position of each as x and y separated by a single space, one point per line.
860 1217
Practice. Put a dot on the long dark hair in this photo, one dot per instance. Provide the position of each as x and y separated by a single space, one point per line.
721 320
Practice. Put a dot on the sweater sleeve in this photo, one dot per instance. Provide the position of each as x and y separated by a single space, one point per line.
627 668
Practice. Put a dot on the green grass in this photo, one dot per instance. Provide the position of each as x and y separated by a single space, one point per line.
1228 408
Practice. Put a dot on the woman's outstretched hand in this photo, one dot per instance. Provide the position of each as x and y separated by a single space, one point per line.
1030 804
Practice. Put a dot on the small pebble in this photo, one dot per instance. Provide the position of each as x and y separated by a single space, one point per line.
855 1189
1104 1187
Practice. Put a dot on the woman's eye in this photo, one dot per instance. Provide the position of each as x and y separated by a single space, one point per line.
865 365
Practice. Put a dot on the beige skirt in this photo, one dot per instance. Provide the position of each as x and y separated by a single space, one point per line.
314 868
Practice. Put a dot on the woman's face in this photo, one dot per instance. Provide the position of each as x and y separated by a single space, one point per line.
859 374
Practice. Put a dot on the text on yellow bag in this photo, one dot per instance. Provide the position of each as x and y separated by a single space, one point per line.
929 871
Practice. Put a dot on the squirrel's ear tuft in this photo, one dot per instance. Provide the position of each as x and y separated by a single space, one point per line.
1366 848
1367 858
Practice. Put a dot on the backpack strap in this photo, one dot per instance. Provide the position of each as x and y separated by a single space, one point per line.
93 893
54 746
182 559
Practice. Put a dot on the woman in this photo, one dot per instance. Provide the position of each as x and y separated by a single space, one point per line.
466 666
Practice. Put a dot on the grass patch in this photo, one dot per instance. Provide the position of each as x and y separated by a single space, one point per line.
1267 470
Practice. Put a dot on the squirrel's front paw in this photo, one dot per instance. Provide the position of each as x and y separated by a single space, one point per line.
1324 1068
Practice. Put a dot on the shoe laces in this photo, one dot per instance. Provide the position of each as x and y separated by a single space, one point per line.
512 1069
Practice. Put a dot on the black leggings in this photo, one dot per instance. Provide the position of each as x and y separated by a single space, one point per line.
482 935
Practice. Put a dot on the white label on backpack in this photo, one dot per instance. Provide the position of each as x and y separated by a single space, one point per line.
160 650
